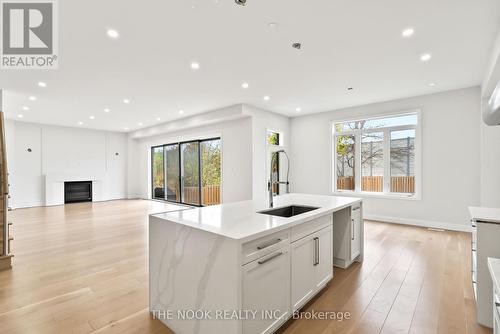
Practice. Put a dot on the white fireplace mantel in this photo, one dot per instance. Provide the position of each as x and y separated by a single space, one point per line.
54 187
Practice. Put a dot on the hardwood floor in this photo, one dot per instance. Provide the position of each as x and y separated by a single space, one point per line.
82 268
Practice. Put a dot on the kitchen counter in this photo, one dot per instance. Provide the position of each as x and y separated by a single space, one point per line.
487 215
204 262
241 220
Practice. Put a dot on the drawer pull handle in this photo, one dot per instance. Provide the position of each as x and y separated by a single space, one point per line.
356 208
268 244
270 258
352 229
316 251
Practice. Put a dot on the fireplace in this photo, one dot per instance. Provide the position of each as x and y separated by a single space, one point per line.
77 191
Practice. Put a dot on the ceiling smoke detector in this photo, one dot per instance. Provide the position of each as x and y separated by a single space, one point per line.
241 2
296 46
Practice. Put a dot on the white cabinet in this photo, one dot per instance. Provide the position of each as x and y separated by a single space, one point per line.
266 287
323 270
311 265
302 262
348 236
355 231
486 245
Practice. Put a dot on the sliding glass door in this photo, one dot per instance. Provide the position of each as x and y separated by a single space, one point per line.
157 173
210 171
173 173
187 172
190 171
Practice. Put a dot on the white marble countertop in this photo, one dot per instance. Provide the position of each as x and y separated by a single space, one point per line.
491 215
241 220
494 267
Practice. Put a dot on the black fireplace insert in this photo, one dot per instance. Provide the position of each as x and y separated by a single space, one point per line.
77 191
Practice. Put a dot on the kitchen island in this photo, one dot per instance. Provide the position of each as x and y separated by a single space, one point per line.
235 268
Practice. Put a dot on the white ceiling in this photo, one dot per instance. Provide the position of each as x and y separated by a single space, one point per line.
345 43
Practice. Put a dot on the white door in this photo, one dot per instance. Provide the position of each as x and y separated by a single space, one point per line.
302 262
355 231
323 268
266 287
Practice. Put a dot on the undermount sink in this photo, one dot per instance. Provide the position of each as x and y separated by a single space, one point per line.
289 211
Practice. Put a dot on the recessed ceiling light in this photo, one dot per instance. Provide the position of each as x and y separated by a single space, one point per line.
432 84
125 128
113 33
92 117
106 109
20 116
272 24
266 98
26 108
298 109
158 118
181 112
80 123
126 101
195 66
425 57
245 85
32 98
408 32
140 124
42 84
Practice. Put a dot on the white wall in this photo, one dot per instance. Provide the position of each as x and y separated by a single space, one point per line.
236 138
245 153
490 165
451 158
490 136
262 121
57 150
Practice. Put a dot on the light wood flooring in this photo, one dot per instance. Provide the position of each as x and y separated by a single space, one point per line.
82 268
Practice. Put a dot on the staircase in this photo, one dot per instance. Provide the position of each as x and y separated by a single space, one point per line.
5 238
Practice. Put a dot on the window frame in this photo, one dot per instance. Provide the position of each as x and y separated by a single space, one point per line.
179 144
280 138
357 192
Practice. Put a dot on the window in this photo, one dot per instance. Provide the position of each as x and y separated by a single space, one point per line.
173 173
158 172
376 155
187 172
273 138
210 171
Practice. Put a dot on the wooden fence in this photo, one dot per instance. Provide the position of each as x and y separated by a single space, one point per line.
399 184
372 183
210 195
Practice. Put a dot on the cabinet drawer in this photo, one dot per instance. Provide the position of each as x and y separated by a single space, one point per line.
310 227
255 249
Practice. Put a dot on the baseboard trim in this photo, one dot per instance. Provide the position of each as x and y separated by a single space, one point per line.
53 205
418 222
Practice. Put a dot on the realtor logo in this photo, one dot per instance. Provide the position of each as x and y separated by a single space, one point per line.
29 34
